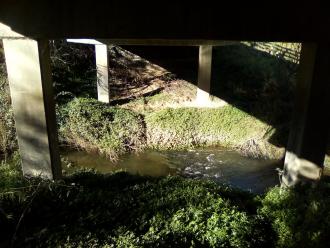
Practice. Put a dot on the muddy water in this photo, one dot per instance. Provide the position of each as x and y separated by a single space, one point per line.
217 164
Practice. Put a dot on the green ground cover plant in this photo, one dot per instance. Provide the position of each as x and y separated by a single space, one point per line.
226 126
87 209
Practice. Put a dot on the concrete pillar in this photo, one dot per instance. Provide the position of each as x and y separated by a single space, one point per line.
204 75
101 56
310 124
29 74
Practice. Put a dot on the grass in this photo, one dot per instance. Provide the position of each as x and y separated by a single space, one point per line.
10 173
259 89
175 94
300 217
191 127
93 126
120 210
88 209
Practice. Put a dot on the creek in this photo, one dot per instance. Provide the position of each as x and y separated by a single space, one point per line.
218 164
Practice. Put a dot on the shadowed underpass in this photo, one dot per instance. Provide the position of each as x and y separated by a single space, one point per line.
256 82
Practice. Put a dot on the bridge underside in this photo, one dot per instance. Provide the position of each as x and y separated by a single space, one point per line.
26 26
179 20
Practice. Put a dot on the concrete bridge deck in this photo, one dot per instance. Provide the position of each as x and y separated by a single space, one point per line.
179 20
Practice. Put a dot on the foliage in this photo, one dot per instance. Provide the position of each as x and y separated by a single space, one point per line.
88 209
282 50
8 142
327 158
95 126
259 84
73 70
10 173
119 210
190 127
300 217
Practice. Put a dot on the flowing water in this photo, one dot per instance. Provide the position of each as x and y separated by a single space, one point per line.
218 164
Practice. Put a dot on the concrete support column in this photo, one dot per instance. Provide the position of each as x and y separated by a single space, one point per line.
204 75
29 74
101 56
310 125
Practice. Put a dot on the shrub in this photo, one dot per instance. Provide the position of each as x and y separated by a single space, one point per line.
95 126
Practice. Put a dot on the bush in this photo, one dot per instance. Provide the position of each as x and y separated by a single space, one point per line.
191 127
95 126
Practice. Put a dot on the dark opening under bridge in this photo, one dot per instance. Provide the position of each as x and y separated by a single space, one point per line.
26 26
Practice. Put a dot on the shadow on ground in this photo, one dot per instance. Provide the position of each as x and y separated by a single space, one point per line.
253 81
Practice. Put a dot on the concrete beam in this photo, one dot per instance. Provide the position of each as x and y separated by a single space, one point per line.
204 75
154 42
84 41
101 57
7 32
167 42
170 20
310 124
29 74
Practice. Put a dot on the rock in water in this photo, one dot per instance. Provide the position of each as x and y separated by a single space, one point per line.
210 158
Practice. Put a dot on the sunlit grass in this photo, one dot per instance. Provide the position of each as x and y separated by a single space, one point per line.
226 126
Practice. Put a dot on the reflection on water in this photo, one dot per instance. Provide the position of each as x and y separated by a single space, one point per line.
217 164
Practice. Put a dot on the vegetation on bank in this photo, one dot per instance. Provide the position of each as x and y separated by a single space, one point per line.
10 173
94 126
257 86
300 217
193 127
73 71
8 142
88 209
